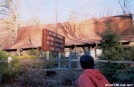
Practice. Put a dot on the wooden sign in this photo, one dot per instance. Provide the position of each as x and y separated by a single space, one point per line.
52 41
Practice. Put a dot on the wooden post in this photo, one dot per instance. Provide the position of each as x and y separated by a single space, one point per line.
41 54
59 62
47 54
18 51
95 52
90 48
69 61
9 61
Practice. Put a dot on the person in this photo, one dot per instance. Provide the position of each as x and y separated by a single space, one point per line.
91 77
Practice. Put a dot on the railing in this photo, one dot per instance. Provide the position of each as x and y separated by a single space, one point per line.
61 60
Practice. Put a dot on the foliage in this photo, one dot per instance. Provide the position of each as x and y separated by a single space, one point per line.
32 78
33 52
8 74
69 77
34 21
8 71
130 53
112 49
63 79
125 76
31 62
40 78
42 54
3 55
110 45
9 7
9 21
4 4
73 16
53 55
26 57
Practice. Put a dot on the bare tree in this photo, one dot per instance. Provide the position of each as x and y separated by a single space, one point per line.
4 7
9 21
84 13
125 5
10 11
34 21
73 16
88 11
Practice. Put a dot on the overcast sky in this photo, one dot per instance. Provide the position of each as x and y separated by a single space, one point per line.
46 10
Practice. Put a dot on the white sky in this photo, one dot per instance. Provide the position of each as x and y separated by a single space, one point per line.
45 9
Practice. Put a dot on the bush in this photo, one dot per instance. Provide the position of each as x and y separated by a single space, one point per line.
8 73
40 78
26 57
64 79
32 78
3 55
125 76
34 52
129 50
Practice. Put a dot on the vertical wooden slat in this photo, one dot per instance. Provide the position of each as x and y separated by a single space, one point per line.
69 60
47 54
18 51
59 62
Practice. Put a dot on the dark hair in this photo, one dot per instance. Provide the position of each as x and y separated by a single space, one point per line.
87 62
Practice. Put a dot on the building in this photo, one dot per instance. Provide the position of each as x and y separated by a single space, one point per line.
78 34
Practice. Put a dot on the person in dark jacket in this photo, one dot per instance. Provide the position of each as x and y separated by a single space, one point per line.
90 77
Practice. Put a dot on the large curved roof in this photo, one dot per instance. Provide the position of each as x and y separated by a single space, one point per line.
76 33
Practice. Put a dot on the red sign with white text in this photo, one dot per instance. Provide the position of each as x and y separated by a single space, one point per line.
52 41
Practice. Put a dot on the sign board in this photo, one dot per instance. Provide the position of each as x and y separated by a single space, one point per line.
52 41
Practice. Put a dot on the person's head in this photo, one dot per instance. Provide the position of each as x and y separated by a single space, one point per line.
87 62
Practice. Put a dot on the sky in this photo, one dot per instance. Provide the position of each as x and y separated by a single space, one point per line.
51 11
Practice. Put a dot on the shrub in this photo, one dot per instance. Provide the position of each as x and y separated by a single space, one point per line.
32 78
40 78
64 79
8 73
69 77
3 55
129 50
26 57
125 76
34 52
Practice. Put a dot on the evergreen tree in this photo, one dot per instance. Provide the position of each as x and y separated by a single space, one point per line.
112 49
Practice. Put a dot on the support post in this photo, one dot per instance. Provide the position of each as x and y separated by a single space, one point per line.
41 54
69 61
19 51
47 54
59 62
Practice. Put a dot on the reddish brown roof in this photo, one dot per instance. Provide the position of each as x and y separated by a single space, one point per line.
81 32
28 37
